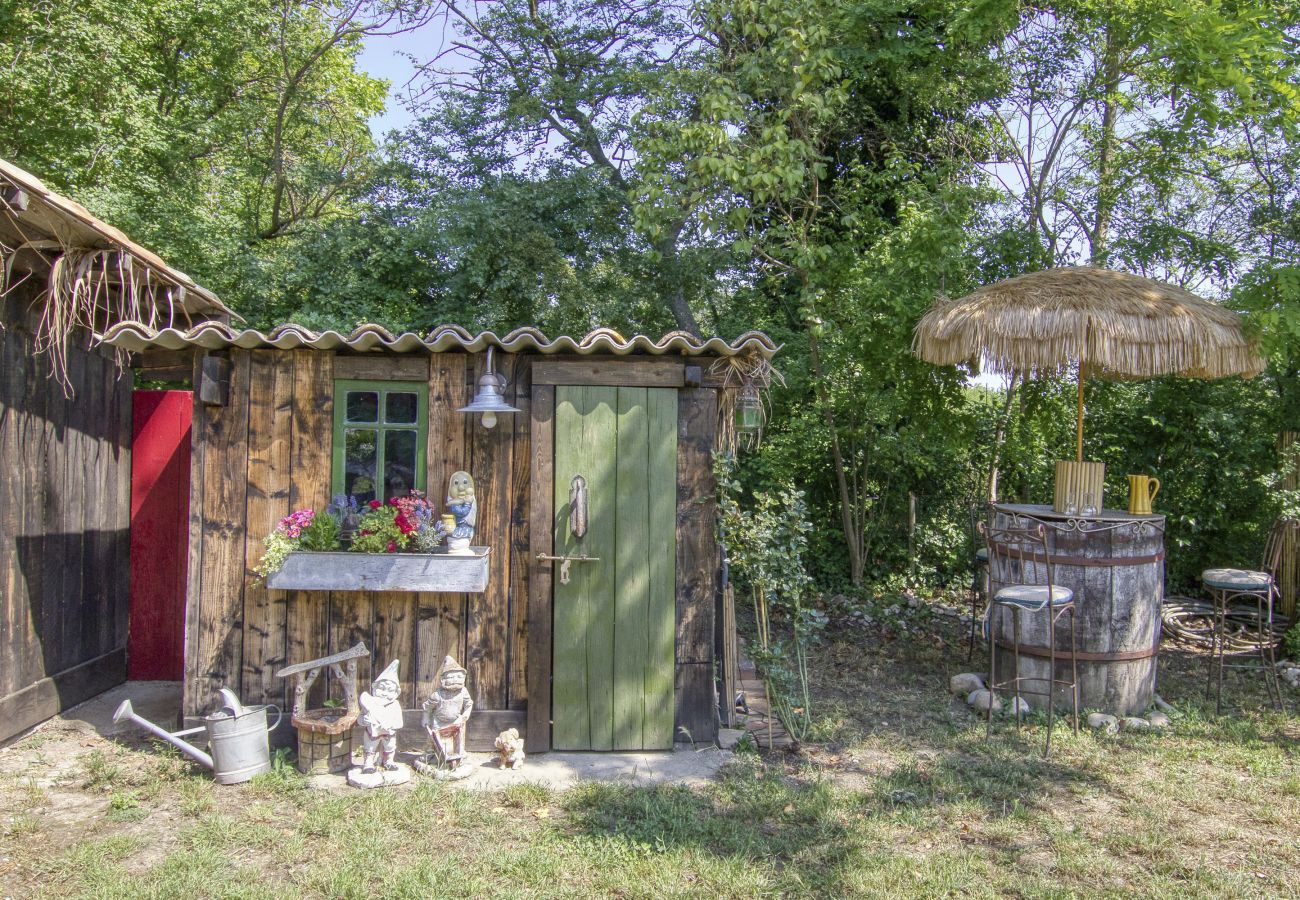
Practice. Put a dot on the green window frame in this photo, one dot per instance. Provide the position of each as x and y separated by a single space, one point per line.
370 449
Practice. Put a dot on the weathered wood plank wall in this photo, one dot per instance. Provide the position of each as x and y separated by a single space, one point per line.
266 452
64 522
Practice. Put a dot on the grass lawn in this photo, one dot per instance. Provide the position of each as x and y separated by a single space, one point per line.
898 796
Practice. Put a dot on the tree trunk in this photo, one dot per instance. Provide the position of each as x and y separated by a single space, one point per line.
999 438
1105 157
670 280
848 519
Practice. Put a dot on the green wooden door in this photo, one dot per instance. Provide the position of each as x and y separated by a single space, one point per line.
612 669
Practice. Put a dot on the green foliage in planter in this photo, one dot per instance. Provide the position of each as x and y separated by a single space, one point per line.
304 529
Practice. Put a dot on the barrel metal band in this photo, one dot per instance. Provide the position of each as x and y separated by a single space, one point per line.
1081 655
1111 562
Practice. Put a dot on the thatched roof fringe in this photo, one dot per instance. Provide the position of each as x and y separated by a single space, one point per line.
1120 325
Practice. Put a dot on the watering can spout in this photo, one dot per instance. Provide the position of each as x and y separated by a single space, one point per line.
125 711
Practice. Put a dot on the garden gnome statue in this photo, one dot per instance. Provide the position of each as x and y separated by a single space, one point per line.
381 717
446 715
462 505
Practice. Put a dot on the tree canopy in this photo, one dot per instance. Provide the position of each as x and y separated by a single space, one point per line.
820 169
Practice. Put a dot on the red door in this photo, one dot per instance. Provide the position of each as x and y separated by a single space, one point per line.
160 507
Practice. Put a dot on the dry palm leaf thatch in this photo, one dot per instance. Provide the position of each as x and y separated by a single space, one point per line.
1118 325
87 287
738 372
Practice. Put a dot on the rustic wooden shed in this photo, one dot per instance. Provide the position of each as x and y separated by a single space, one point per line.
65 443
624 654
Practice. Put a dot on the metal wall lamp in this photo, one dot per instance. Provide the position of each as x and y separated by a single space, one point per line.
490 398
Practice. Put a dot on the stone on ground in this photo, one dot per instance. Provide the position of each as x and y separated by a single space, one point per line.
982 700
380 777
1157 719
1134 723
1103 722
964 684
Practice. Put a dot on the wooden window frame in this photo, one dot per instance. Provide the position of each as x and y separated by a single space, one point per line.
383 388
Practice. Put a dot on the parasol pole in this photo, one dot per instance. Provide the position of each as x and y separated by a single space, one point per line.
1078 452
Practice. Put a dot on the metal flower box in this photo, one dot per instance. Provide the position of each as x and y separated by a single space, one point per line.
458 573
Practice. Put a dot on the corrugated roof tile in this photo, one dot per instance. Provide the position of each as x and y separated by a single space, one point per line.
136 337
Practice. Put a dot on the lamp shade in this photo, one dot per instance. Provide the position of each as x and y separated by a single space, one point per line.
490 398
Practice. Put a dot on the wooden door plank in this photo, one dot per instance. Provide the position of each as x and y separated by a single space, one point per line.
572 725
616 372
119 514
541 507
633 540
697 560
441 617
440 632
97 623
599 458
307 625
381 367
223 481
60 580
270 430
521 563
17 651
447 448
396 616
352 621
194 606
661 550
488 621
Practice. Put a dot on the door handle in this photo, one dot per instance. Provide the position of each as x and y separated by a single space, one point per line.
578 506
565 562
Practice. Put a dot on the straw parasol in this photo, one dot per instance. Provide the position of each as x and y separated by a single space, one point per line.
1111 324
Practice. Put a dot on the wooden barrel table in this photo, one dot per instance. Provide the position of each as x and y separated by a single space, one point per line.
1115 564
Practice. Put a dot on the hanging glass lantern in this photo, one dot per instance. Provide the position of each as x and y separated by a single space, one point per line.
749 410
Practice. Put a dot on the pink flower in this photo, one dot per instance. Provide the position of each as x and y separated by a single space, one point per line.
392 547
293 524
375 504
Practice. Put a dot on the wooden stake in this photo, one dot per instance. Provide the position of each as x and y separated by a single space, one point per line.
1078 453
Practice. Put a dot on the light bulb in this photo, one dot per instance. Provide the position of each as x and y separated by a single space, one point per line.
489 420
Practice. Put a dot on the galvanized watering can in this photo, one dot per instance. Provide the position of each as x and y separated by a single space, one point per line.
237 736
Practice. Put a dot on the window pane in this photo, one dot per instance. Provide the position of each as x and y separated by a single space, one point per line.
399 463
400 408
360 457
363 406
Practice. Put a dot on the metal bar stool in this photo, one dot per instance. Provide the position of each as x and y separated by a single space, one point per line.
1225 586
979 585
1020 561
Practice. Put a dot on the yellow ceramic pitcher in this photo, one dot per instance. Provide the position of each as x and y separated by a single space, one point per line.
1142 489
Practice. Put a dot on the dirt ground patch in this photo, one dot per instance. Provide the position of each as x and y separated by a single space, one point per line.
896 793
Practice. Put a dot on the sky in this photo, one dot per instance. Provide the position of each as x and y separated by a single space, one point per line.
389 58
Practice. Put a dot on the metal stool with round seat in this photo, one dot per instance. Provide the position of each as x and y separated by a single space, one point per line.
979 585
1021 578
1226 586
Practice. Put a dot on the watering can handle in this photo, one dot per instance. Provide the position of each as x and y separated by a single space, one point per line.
278 716
231 702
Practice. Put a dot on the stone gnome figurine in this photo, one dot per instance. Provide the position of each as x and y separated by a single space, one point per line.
381 717
446 715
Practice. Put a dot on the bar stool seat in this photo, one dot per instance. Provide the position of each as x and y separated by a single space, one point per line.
1236 580
1033 597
